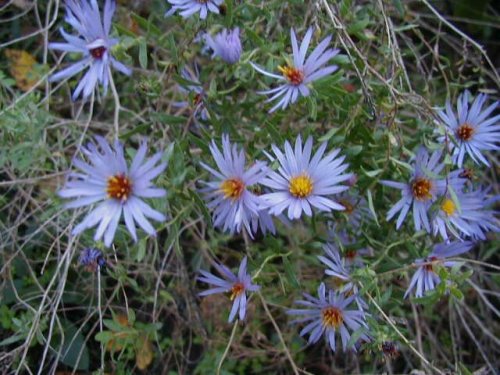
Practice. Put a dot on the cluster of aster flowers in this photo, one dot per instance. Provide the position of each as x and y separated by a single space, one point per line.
302 182
450 205
305 179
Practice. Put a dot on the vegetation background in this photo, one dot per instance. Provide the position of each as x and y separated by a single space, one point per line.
399 60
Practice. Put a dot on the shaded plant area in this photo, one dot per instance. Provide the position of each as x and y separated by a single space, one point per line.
78 299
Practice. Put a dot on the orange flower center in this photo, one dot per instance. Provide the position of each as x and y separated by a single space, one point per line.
350 254
293 75
429 266
349 208
465 132
119 187
332 317
236 290
232 188
197 99
421 188
301 186
97 52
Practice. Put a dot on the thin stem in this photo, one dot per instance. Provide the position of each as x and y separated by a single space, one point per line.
278 331
116 98
99 308
219 366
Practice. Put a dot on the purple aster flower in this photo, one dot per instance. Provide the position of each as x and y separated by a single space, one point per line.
355 208
108 181
337 267
187 8
93 42
302 181
298 75
195 89
426 277
234 205
352 253
420 192
226 45
230 283
466 216
328 315
471 128
92 259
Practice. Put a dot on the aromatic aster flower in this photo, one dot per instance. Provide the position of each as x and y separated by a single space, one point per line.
302 181
426 278
234 205
352 254
356 208
187 8
236 285
328 315
93 42
198 102
337 268
420 192
116 188
92 259
226 45
469 218
471 128
298 75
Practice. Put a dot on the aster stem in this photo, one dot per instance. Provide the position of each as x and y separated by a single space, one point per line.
116 98
278 331
405 340
219 366
100 313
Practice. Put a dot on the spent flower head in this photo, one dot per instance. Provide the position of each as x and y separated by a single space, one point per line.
92 259
93 42
472 128
298 75
236 285
302 181
327 316
107 181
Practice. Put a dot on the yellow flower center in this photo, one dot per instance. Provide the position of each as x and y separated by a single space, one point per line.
448 207
465 132
301 186
119 187
293 75
236 290
232 188
332 317
421 188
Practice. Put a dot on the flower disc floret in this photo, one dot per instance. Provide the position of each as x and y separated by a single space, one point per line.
301 186
232 188
332 317
421 189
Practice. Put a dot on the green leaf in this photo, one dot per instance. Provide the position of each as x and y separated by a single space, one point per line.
143 53
72 346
